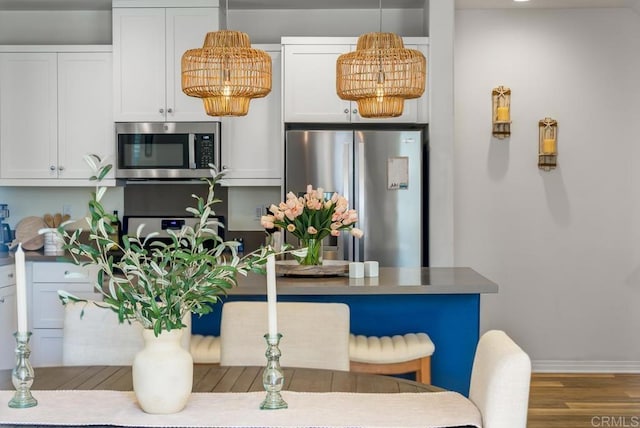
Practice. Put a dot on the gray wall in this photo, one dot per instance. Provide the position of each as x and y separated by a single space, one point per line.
562 245
263 26
55 27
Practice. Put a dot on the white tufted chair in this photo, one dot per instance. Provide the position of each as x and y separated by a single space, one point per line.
500 381
315 335
97 337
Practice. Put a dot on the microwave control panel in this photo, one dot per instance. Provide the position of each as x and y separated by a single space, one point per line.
204 150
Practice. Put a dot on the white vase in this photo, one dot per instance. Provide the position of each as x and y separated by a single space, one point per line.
162 373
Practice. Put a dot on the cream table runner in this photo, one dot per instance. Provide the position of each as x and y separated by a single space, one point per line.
331 409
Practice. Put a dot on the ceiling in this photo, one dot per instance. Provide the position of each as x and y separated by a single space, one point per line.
324 4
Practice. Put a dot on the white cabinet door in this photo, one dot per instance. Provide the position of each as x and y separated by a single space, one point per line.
148 44
310 88
139 64
252 144
7 326
309 80
46 347
28 115
85 111
46 312
186 29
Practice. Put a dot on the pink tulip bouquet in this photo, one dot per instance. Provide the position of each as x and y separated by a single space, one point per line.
311 218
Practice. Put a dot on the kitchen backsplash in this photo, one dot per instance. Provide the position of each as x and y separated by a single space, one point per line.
238 205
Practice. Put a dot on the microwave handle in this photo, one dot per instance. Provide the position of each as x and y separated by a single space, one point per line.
217 159
192 151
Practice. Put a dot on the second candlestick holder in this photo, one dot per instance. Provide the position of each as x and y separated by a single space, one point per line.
22 374
273 378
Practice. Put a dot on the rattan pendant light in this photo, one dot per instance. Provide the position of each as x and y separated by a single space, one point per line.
380 74
226 73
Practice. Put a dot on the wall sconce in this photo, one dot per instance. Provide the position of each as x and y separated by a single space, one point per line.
501 98
547 143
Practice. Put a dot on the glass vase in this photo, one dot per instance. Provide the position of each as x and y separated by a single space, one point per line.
314 252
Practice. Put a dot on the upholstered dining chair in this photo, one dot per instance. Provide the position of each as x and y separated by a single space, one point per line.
94 336
314 335
500 380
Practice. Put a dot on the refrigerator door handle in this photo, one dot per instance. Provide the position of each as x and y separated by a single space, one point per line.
359 243
347 240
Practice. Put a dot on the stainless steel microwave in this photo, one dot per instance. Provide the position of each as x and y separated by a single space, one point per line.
163 150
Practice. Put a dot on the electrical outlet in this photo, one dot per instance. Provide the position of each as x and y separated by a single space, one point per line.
66 209
258 212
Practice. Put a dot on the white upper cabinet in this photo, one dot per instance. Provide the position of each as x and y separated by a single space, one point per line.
310 83
85 112
251 144
148 44
28 115
55 107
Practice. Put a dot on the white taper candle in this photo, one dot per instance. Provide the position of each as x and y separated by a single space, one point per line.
21 290
272 313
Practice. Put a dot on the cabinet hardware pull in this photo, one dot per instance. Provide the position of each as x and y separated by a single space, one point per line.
346 111
161 111
1 299
355 110
61 168
52 168
169 110
10 275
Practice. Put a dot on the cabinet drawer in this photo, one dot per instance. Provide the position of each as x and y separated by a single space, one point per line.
7 275
48 310
63 272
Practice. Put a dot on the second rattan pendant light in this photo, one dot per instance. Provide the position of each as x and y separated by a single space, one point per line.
380 74
226 73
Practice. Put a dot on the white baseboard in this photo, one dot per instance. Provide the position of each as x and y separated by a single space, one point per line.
564 366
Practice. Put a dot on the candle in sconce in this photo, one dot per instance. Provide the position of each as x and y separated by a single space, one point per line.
272 313
21 290
548 146
503 114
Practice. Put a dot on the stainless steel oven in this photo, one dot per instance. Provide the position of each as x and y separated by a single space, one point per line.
163 150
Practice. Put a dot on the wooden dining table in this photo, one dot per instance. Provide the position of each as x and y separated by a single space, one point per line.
97 396
216 378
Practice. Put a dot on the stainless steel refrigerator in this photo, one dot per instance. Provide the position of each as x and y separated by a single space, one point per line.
380 172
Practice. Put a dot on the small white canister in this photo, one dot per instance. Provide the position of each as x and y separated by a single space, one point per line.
356 270
53 243
371 269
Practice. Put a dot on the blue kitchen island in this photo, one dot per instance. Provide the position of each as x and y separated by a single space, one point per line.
442 302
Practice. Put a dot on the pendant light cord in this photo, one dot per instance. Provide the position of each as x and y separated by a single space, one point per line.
380 7
226 16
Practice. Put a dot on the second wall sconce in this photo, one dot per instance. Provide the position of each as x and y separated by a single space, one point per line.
547 143
501 103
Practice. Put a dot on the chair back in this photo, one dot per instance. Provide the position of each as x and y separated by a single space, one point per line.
94 336
314 335
500 381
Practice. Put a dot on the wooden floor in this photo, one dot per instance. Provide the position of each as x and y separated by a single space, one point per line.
584 400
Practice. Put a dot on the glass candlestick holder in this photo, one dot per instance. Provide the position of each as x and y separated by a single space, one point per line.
273 378
22 373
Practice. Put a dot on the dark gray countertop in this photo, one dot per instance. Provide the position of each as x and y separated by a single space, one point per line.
440 280
33 256
436 280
